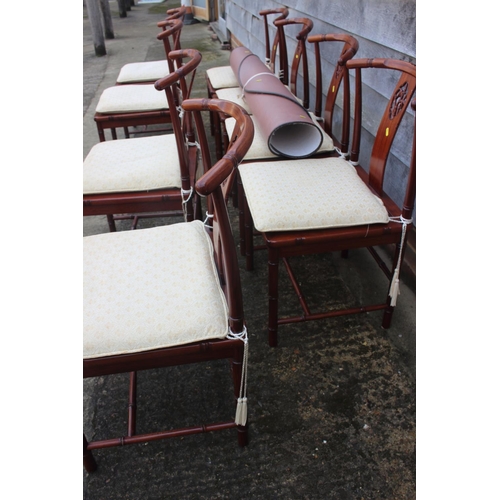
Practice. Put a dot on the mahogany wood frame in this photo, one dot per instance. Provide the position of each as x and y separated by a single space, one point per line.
283 245
170 36
225 256
168 201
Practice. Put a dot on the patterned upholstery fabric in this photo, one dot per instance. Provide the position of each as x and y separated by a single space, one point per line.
234 94
143 71
308 194
259 149
222 77
125 165
126 98
150 288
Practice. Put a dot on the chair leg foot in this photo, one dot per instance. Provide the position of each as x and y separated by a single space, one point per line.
273 338
387 319
242 435
88 459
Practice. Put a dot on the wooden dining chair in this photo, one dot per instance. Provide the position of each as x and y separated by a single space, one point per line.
137 105
148 176
318 205
170 295
151 71
222 77
336 145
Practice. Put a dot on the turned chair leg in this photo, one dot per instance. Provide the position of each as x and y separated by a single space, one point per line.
111 223
273 262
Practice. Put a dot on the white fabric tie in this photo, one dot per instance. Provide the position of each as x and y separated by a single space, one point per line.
241 408
255 76
394 290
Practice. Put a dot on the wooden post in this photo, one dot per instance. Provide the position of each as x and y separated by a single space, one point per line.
122 8
109 34
94 14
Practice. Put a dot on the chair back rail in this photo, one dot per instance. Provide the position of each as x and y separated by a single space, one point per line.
170 36
349 50
278 39
211 183
391 119
299 56
182 127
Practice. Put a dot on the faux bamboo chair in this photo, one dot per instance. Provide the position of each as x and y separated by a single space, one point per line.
222 77
324 118
136 105
169 295
148 176
151 71
318 205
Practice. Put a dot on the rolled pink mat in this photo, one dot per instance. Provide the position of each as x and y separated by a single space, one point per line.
278 113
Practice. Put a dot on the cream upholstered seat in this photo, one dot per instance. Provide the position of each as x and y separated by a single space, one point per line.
125 165
149 71
131 98
169 296
140 105
259 149
149 176
128 308
313 194
222 77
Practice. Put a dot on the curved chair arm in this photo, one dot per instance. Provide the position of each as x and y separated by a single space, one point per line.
182 71
238 147
308 25
280 10
175 26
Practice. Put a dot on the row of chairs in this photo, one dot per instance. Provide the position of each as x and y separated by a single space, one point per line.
142 288
327 202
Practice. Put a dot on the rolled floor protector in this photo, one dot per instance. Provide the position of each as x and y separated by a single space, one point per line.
281 118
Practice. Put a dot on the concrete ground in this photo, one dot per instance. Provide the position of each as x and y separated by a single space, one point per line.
332 409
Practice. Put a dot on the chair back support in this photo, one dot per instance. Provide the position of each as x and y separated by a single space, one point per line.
299 56
278 42
394 112
175 87
348 51
216 183
170 36
175 13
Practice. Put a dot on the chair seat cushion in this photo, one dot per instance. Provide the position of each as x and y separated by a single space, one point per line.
234 94
126 165
148 71
150 288
131 98
308 194
259 149
222 77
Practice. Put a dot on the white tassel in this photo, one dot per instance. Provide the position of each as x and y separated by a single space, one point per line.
241 408
241 412
394 291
